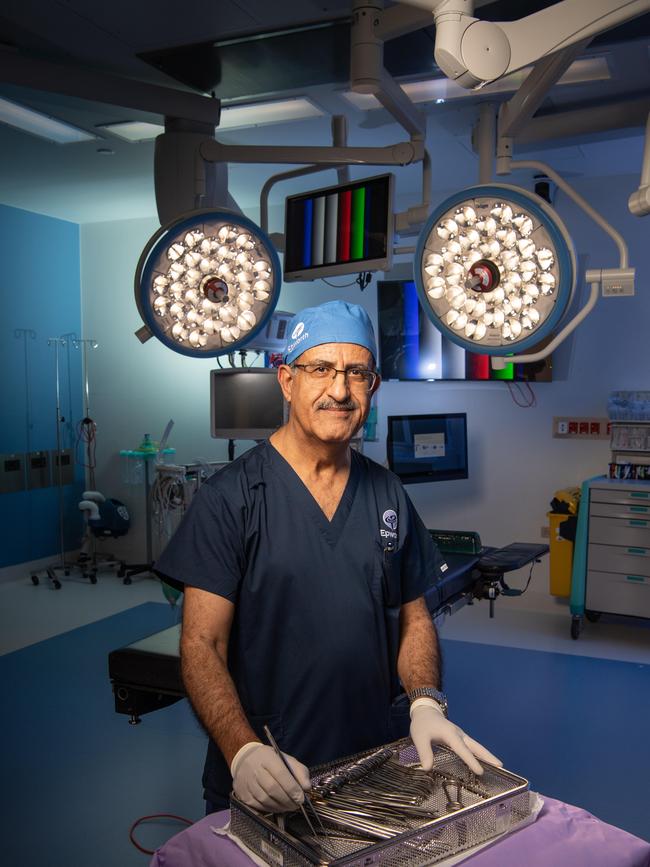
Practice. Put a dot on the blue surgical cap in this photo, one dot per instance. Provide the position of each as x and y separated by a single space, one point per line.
332 322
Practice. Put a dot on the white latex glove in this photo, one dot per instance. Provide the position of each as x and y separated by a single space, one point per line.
261 780
429 725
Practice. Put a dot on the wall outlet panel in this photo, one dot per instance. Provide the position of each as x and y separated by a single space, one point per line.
38 470
580 427
67 466
12 473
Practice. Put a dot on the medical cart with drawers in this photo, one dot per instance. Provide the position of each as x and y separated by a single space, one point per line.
611 567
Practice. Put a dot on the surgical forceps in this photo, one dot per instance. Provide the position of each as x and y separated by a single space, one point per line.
278 752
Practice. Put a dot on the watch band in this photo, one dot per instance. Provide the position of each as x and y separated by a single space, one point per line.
429 692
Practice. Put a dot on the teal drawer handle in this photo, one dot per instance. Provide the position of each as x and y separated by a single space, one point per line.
641 551
635 578
638 508
640 495
636 523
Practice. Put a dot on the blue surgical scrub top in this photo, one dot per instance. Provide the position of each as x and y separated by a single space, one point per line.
314 640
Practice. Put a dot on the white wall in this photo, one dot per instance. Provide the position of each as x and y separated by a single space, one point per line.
515 464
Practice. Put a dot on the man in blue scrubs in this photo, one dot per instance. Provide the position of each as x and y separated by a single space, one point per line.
304 566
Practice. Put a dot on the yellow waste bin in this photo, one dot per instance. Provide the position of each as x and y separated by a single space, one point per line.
561 557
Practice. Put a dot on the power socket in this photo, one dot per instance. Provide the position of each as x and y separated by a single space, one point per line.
580 427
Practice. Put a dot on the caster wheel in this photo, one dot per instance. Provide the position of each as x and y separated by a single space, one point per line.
57 584
575 628
127 580
35 580
592 616
66 572
93 579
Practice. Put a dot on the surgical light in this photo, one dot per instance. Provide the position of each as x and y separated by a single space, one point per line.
207 283
495 269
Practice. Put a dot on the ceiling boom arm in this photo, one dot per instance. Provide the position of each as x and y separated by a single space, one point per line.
473 52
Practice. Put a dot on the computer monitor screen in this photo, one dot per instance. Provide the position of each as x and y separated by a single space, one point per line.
428 448
339 230
245 403
412 348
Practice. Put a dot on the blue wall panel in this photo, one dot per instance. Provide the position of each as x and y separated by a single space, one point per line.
40 295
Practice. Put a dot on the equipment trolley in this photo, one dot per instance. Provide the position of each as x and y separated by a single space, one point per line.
611 565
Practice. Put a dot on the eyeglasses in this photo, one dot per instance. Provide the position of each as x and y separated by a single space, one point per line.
358 377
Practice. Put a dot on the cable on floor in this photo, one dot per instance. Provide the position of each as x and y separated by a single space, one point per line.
148 818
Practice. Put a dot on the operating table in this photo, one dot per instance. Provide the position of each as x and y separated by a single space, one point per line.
146 675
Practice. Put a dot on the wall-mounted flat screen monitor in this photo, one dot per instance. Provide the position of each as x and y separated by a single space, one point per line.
428 448
245 403
339 230
412 348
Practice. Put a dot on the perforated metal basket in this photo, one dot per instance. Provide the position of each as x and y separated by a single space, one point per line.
496 802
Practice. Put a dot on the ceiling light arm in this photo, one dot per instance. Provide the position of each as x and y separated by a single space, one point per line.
412 220
367 72
474 52
278 237
582 203
639 201
515 114
400 154
484 141
596 278
499 362
339 138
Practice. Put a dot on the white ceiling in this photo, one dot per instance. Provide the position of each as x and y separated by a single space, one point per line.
76 182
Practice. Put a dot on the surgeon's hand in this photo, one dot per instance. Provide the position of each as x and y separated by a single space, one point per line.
429 725
261 780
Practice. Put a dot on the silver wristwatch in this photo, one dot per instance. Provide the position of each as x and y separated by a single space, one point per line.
429 692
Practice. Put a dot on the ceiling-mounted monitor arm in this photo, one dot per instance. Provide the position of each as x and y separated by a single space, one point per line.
339 138
473 53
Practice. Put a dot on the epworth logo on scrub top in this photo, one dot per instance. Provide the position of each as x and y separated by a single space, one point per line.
390 519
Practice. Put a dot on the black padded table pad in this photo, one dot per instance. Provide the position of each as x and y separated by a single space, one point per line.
153 662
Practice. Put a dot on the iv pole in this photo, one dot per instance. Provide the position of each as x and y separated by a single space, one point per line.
61 566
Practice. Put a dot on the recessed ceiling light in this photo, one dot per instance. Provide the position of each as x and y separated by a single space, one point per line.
41 125
232 117
133 130
257 114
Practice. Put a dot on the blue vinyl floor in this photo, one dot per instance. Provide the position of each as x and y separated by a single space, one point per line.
76 775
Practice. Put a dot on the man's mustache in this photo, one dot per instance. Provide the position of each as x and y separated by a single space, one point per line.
335 404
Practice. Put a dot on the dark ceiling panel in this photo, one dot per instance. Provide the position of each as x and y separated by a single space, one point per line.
299 58
273 62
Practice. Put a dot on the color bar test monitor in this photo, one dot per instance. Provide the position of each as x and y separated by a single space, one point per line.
345 229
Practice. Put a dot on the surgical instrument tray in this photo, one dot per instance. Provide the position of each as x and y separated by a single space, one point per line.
381 808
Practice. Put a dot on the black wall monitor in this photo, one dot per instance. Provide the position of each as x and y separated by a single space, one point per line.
428 448
245 403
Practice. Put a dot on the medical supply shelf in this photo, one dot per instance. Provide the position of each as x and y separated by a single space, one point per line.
611 568
630 445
